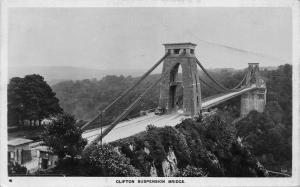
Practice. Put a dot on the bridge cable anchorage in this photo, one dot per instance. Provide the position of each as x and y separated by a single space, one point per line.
96 118
124 114
216 82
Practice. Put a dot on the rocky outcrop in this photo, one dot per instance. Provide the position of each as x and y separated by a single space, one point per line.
153 172
169 165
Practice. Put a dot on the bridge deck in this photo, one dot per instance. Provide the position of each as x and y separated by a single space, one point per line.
213 101
134 126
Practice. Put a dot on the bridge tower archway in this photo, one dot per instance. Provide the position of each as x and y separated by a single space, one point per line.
180 55
176 88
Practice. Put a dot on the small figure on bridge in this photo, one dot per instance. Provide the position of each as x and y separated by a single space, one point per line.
177 106
199 119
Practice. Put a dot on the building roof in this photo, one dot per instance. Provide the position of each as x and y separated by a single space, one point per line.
42 148
19 141
36 144
184 43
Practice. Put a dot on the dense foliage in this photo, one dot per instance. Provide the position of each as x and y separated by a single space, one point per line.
207 148
198 146
190 171
63 136
30 98
96 160
280 85
108 161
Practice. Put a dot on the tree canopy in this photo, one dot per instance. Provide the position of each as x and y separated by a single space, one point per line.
108 161
63 136
30 98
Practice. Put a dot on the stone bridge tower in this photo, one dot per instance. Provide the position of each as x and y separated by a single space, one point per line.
253 73
180 54
255 99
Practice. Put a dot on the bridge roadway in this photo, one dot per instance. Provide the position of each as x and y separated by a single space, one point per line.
127 128
130 127
219 98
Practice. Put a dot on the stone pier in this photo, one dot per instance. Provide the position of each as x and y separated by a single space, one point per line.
254 100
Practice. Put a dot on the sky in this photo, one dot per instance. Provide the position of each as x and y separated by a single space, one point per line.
132 38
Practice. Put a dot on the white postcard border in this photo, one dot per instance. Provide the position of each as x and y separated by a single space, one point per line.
112 181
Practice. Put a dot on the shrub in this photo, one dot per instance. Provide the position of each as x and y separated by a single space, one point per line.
191 171
107 161
63 136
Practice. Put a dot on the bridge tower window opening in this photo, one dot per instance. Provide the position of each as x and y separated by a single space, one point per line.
192 51
176 51
179 89
179 73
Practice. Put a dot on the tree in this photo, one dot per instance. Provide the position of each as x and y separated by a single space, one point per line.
31 98
63 136
107 161
16 101
266 137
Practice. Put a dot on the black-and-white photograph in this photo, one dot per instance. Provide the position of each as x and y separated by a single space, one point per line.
149 91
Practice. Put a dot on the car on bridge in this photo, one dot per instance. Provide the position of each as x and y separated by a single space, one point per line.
159 111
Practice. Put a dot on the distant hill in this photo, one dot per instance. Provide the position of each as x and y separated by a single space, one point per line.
55 74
